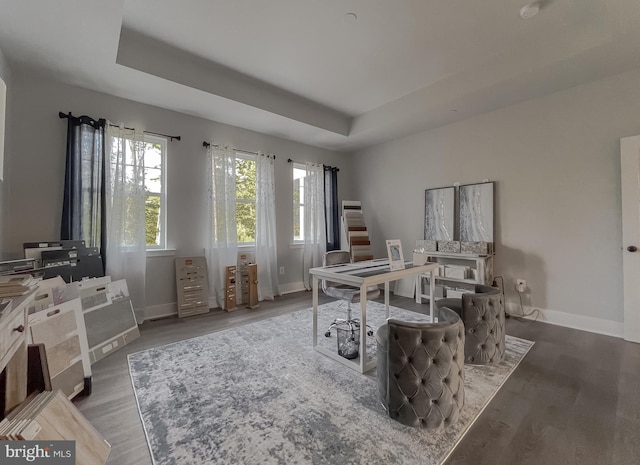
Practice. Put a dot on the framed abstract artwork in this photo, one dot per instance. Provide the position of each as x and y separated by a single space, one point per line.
476 212
439 214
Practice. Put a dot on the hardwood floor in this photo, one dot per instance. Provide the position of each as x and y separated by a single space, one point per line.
574 399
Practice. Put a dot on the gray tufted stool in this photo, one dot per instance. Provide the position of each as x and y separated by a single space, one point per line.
483 316
421 370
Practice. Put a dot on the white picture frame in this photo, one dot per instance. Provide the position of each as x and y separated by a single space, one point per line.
394 251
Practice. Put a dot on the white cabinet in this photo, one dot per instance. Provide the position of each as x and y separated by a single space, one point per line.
458 273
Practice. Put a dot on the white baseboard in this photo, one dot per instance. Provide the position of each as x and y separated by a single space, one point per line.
291 287
572 320
160 311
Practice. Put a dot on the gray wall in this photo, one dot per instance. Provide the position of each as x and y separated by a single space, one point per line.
556 165
35 173
555 161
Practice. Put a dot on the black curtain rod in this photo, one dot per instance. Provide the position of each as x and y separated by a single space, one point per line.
326 167
63 115
207 144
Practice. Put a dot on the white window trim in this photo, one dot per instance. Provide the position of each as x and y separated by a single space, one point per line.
160 253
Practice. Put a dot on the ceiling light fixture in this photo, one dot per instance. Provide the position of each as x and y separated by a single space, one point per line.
530 10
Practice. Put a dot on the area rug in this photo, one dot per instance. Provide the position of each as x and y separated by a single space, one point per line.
260 394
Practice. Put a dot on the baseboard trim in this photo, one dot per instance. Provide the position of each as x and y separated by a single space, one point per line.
160 311
572 320
290 288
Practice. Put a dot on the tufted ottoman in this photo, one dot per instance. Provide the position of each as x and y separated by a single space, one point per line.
483 316
421 370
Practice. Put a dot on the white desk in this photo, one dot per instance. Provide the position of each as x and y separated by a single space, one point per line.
362 275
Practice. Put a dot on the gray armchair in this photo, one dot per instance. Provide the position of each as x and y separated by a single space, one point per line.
421 370
483 316
344 292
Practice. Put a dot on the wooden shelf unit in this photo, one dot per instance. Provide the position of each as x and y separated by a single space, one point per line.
230 289
248 289
252 282
355 234
192 282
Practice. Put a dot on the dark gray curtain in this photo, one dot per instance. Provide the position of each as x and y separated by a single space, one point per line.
83 210
332 213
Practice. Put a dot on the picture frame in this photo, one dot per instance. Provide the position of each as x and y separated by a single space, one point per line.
439 218
394 251
475 210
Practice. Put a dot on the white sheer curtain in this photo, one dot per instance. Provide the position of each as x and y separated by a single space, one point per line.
315 235
266 249
125 255
222 250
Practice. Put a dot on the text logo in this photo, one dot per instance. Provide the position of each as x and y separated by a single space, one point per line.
38 452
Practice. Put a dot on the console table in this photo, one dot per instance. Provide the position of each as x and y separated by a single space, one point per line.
364 274
481 264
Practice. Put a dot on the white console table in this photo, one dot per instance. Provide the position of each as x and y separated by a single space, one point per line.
481 263
364 274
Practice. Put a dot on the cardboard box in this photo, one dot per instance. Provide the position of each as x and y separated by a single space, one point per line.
456 271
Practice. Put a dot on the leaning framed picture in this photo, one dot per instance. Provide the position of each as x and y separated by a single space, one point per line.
394 250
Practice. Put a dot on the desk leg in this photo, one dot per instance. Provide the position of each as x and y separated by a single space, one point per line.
418 288
386 300
363 329
432 298
314 293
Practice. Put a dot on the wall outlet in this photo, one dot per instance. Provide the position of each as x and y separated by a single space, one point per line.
521 285
282 270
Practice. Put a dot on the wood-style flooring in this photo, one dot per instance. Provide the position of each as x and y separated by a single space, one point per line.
574 399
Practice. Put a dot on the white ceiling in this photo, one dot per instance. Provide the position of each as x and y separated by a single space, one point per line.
298 69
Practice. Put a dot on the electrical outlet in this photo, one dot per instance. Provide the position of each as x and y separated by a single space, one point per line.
521 285
282 270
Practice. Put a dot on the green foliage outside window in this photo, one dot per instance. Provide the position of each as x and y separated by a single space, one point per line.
153 188
152 219
246 200
296 208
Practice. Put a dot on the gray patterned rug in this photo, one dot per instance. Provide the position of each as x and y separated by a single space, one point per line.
259 393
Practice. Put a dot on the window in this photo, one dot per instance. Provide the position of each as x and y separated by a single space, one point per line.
155 151
155 192
246 199
299 174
